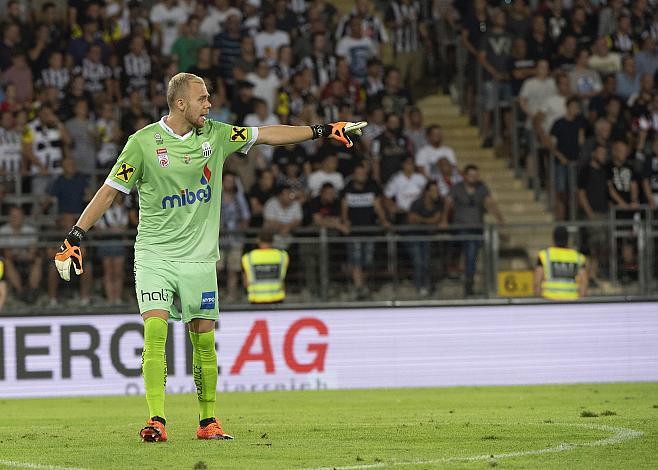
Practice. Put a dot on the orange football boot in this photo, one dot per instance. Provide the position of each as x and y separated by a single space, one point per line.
154 431
212 431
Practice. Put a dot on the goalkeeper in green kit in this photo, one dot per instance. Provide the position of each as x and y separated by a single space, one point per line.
176 164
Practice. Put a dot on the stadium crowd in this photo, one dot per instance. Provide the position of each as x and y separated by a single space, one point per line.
77 78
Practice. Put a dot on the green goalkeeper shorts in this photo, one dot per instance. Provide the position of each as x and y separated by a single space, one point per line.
158 282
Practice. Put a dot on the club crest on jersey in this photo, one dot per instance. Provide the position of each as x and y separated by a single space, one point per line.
158 139
206 149
205 179
187 159
163 158
238 134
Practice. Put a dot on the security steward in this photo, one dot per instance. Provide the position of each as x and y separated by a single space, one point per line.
560 273
264 271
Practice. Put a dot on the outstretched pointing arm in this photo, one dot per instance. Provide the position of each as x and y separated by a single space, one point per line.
283 135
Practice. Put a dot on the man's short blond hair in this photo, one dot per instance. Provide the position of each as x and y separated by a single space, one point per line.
178 86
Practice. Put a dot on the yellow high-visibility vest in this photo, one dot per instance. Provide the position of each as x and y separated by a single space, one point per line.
266 272
561 267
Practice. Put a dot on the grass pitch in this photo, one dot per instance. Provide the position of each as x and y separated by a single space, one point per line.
584 426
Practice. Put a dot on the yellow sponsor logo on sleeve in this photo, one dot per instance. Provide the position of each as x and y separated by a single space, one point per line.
238 134
125 172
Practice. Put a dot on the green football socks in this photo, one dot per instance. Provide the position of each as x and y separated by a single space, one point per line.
154 364
204 370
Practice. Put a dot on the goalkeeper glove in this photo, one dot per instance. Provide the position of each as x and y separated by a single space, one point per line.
69 253
339 131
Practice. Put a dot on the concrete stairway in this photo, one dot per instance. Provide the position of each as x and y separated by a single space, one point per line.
515 201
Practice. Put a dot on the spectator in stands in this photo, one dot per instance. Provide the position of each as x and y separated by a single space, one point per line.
262 117
111 227
374 82
519 18
426 210
622 40
601 137
408 31
584 82
323 211
581 27
371 25
447 175
623 188
11 40
535 90
362 207
357 49
55 75
602 60
569 135
376 125
593 203
11 157
286 20
185 47
218 13
137 67
494 54
259 194
282 214
394 98
95 73
554 106
428 157
22 260
556 19
646 61
403 189
327 173
650 175
166 17
389 149
565 58
628 80
614 114
229 42
109 137
234 218
598 103
133 112
78 47
609 17
243 103
45 144
246 63
270 38
83 138
19 74
646 89
75 92
320 61
292 175
468 202
540 45
414 128
520 67
265 83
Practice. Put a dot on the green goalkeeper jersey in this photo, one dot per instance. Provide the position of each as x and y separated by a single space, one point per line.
179 181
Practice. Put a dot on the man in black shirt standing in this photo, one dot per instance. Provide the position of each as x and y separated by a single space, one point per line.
594 205
361 206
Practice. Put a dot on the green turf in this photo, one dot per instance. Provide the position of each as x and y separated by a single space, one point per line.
348 428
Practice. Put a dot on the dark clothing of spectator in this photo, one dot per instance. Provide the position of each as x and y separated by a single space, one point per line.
241 108
392 101
79 47
348 158
231 48
622 178
650 172
594 181
284 155
361 203
497 47
70 193
391 150
469 207
515 65
317 206
540 49
566 134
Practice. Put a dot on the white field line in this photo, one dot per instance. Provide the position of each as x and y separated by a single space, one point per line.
11 463
618 436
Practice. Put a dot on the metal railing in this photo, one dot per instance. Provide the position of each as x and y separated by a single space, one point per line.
320 268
